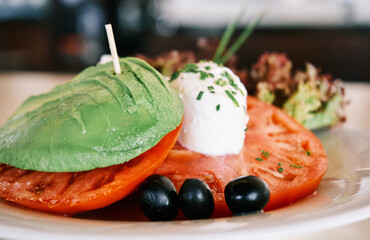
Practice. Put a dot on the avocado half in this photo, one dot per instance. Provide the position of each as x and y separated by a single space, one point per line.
98 119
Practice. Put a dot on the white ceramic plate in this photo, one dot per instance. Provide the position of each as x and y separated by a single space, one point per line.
343 197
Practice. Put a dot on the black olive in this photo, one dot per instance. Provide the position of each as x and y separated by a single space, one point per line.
158 198
196 199
246 195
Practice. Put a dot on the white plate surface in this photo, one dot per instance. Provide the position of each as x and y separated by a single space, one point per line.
343 197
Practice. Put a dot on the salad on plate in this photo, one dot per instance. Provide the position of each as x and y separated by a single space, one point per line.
191 143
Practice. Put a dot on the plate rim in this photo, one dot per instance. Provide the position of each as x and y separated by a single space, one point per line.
353 211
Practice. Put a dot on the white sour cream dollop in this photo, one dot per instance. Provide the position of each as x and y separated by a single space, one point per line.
105 58
215 116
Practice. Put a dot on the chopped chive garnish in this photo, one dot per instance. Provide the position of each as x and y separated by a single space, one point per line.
200 95
218 107
204 75
279 164
230 78
233 92
207 67
259 159
265 153
295 166
245 129
174 76
211 89
192 67
280 169
220 82
232 97
241 92
308 152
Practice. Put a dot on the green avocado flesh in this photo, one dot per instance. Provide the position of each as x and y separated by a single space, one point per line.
96 120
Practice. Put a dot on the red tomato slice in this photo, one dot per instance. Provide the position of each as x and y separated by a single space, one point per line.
73 192
281 151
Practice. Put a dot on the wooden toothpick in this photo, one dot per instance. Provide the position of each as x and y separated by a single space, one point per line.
113 49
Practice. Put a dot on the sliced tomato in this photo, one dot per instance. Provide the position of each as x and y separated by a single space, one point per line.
72 192
278 149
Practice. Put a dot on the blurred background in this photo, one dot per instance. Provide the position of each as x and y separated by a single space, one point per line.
68 35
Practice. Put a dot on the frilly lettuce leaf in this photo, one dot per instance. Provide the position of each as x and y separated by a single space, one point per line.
314 100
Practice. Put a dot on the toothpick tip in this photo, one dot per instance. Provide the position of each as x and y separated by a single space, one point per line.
113 49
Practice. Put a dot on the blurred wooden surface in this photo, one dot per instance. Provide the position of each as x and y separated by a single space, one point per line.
343 52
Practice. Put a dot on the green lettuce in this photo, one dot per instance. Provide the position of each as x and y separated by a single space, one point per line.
315 100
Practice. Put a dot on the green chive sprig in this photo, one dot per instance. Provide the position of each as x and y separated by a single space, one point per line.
226 37
231 96
265 153
200 95
295 166
218 58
